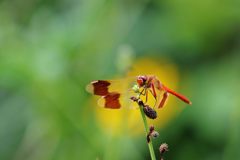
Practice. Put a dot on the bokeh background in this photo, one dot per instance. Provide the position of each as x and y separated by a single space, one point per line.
50 50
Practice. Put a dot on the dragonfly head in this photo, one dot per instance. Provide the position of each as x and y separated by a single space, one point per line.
141 80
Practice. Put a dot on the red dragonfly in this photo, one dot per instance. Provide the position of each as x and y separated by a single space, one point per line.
117 93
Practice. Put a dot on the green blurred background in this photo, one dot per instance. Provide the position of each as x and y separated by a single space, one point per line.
50 50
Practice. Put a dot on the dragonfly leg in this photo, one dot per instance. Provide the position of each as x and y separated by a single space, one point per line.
164 99
141 93
146 91
154 91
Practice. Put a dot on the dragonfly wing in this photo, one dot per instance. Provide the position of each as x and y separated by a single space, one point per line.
115 100
115 93
103 87
99 87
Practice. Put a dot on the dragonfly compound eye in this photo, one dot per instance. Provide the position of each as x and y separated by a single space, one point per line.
141 80
149 112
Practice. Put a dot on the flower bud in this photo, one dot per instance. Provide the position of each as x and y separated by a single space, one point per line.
135 88
163 148
154 134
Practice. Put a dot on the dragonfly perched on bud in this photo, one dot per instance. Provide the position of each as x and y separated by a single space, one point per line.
116 94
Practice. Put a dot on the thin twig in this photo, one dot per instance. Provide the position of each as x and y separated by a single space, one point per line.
150 146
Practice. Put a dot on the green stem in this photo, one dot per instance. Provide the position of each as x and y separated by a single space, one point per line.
150 146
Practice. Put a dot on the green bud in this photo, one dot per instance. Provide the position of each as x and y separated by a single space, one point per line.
135 88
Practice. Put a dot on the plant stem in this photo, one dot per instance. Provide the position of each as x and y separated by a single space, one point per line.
150 146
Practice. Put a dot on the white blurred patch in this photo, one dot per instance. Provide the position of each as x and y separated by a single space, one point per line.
125 57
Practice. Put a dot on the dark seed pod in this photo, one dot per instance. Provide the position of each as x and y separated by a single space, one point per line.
149 112
148 138
151 128
140 103
134 99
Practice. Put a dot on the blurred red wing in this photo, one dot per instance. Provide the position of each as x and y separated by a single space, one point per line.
112 100
115 93
99 87
116 100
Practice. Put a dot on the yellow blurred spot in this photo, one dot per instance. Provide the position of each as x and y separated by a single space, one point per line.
129 121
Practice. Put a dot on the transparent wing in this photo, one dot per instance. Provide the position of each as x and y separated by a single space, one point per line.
114 100
114 94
